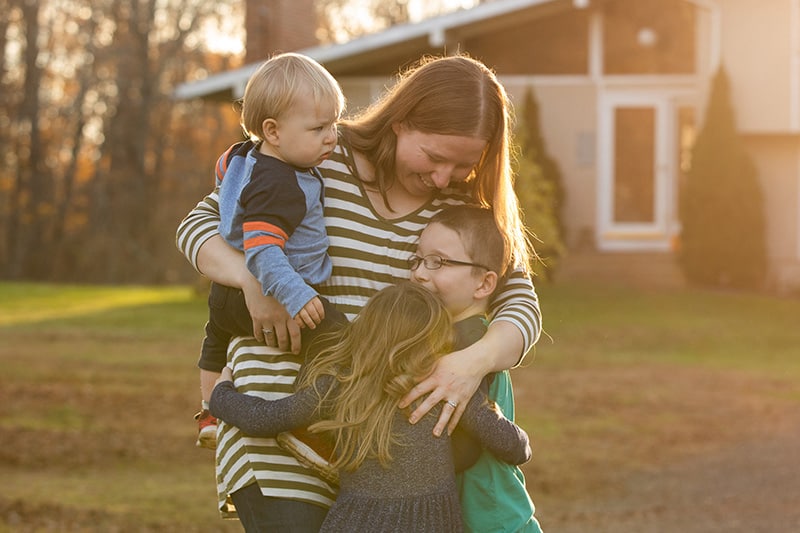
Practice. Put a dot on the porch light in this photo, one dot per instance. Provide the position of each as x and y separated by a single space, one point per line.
647 37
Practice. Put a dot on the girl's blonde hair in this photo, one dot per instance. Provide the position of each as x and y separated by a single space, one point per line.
374 361
453 95
273 88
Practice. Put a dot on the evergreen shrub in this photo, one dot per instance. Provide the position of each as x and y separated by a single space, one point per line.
721 206
539 189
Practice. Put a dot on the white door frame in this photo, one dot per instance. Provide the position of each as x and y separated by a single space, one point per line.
659 234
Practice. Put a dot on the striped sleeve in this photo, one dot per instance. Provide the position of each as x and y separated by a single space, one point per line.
200 224
518 303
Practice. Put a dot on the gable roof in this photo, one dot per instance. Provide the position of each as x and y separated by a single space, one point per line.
430 33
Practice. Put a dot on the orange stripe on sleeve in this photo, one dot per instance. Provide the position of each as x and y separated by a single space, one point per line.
263 240
222 163
265 227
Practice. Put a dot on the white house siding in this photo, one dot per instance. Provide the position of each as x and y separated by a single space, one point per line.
568 121
756 45
362 91
760 48
777 160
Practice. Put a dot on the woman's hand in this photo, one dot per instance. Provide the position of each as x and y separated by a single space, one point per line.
271 323
456 376
454 380
223 264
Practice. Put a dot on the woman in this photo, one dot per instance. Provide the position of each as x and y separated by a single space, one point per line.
440 136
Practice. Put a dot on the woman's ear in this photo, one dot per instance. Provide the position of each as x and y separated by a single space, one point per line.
269 129
487 286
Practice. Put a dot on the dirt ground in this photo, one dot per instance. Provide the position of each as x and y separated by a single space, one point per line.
701 452
751 486
725 459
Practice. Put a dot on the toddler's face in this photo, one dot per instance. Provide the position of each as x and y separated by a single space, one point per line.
307 131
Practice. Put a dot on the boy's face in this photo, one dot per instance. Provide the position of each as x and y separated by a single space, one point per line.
306 133
459 286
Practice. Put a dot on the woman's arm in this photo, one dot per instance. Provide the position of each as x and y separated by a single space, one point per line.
515 327
199 240
226 265
518 304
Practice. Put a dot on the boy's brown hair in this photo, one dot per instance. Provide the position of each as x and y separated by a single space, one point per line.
483 241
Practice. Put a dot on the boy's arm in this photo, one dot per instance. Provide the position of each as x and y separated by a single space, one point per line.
274 206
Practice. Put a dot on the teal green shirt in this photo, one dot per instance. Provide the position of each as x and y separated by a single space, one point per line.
492 493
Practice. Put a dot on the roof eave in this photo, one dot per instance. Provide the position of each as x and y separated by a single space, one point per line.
230 84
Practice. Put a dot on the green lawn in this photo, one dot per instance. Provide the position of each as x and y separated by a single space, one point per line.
100 385
724 330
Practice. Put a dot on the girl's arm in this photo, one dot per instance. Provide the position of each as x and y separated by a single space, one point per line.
513 331
258 417
498 435
199 240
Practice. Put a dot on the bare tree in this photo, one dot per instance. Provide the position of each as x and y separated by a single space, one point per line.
89 144
342 20
28 194
98 162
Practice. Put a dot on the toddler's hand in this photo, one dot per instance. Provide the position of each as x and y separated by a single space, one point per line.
311 314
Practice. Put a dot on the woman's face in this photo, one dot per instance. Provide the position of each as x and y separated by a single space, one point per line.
427 161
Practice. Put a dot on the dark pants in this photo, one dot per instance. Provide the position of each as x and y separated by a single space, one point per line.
262 514
228 317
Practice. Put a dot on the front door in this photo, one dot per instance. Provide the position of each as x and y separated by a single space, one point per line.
644 140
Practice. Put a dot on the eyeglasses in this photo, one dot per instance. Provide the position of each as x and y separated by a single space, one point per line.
435 262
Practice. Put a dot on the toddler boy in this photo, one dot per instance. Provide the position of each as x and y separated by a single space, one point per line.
270 199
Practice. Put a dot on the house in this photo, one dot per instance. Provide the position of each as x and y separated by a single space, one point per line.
621 85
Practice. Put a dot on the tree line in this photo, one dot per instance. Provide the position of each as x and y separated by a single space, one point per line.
99 161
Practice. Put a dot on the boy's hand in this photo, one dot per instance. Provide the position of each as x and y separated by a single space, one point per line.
311 314
225 375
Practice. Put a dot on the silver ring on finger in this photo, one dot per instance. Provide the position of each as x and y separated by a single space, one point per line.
452 404
269 335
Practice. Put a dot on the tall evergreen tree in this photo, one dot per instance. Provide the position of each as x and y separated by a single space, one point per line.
539 189
721 208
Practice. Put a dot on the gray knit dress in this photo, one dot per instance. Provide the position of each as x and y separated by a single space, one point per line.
417 492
